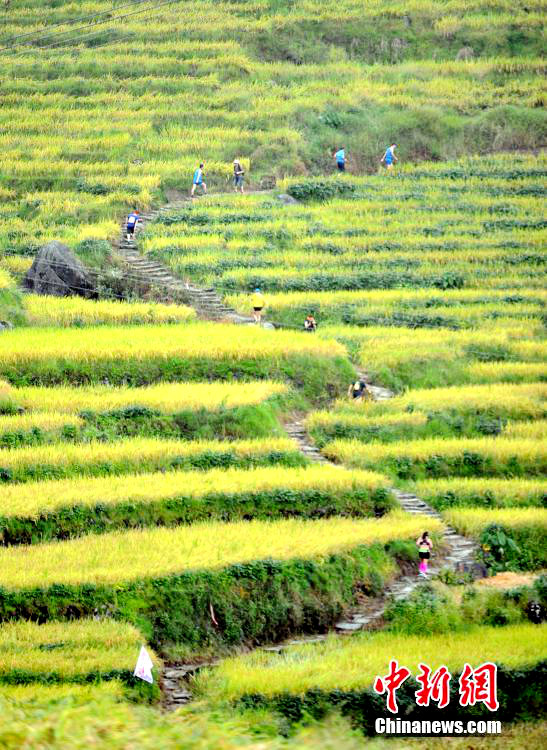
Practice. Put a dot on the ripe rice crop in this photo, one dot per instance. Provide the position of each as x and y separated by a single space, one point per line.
6 281
423 358
62 508
304 577
82 651
351 664
141 455
508 401
118 557
507 372
167 398
536 430
75 311
202 351
36 693
487 492
434 457
473 521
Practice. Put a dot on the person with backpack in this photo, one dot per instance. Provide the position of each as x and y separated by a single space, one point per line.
198 180
425 545
257 302
238 176
389 157
131 224
358 390
340 157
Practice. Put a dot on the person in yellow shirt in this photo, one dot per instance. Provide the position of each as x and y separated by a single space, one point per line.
257 302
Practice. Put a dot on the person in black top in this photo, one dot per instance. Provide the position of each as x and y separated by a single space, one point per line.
358 389
238 175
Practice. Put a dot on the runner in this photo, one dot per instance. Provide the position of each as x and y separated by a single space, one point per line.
389 157
238 175
132 221
425 546
257 302
340 157
198 180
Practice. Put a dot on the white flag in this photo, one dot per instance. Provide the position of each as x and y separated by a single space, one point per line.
143 669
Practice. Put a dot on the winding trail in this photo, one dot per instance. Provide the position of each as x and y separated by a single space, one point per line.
209 305
460 551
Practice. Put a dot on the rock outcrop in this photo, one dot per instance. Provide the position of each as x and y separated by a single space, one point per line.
58 272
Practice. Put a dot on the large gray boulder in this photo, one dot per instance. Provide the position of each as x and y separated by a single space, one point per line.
58 272
287 199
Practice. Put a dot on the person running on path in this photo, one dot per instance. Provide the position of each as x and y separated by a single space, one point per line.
310 324
198 180
425 545
340 157
358 389
257 302
239 173
132 221
389 157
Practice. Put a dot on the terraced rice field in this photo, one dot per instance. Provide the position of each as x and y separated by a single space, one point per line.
151 491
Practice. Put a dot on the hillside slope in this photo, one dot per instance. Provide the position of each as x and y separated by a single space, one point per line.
97 117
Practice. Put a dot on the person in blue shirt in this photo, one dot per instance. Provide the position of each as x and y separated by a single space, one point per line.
389 157
198 180
340 157
132 221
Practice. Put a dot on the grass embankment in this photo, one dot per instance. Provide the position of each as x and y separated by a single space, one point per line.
188 593
432 458
201 351
523 534
40 511
135 455
167 410
338 674
33 429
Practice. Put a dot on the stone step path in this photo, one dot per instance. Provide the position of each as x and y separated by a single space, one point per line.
460 551
460 556
206 302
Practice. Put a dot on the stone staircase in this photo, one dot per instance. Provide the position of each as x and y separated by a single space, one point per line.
206 302
460 551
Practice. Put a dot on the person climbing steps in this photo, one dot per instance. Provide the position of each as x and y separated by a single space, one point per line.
257 302
132 221
425 545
